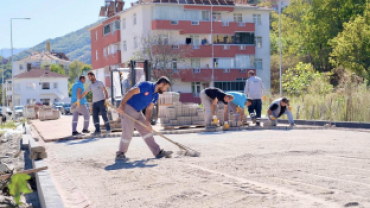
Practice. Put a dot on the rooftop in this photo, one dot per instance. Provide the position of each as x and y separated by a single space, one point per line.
39 73
47 56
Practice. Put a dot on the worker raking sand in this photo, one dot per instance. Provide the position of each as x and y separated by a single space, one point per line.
210 97
236 106
142 95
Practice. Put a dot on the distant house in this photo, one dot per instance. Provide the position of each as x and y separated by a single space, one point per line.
34 84
38 85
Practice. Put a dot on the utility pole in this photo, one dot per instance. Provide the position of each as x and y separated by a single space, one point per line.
281 91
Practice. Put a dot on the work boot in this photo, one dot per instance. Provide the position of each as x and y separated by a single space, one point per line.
121 156
107 126
85 131
76 133
163 153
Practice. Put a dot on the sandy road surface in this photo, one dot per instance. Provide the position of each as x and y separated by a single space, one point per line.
283 169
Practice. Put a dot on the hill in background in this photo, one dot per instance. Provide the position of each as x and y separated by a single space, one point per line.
76 45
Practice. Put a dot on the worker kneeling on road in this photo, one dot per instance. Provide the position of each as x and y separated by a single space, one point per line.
210 97
142 95
278 108
236 106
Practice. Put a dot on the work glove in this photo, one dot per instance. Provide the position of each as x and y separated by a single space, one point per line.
215 121
272 117
290 108
106 103
78 103
239 110
264 98
226 125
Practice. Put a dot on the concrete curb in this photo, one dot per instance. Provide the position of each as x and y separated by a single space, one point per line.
47 191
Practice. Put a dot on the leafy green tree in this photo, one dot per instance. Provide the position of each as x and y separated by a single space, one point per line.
76 68
57 68
351 48
297 80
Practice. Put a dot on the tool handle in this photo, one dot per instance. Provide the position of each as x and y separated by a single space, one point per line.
145 126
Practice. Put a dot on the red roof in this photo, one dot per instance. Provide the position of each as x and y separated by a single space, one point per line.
37 73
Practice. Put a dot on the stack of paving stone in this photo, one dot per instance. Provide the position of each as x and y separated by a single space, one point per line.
166 100
183 114
48 113
31 111
114 120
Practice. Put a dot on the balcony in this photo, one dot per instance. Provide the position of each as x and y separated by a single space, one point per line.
113 58
202 27
110 38
187 75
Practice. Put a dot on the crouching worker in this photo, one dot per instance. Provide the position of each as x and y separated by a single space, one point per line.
142 95
210 97
277 109
236 106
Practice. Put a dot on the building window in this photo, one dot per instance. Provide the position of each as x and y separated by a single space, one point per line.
174 65
258 63
174 22
195 87
123 24
237 38
257 19
96 55
124 46
163 39
31 101
21 67
258 42
134 19
30 86
205 15
117 25
107 29
195 63
45 101
46 86
216 16
238 17
55 85
135 42
231 86
96 35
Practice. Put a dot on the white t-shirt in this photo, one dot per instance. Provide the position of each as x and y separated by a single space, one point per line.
97 90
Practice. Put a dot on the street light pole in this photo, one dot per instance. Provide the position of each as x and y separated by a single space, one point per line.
280 44
11 46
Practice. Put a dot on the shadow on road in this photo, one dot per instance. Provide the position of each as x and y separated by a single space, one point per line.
81 141
120 164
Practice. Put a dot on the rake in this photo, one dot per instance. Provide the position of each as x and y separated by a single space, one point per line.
184 150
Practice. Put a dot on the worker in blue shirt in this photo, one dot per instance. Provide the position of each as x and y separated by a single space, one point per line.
142 95
79 106
236 106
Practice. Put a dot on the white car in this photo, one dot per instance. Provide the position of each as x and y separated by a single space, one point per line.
18 111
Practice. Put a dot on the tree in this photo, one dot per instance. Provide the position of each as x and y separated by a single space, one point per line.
57 68
161 50
308 26
76 68
351 48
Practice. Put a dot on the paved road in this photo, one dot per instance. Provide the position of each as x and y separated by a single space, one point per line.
283 169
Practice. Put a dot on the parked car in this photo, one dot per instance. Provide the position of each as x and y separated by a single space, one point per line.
66 108
5 113
18 111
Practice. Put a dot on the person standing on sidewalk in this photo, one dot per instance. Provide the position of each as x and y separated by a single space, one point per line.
100 97
79 106
210 97
255 91
277 109
142 95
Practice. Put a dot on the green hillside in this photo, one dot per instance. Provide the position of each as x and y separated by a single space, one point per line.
76 45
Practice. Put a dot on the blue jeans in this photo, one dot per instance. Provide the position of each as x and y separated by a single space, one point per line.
289 115
100 107
256 108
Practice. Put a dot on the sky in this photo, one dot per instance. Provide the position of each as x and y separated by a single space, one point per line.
49 19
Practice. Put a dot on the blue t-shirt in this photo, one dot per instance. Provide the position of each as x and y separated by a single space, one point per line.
239 98
145 97
78 85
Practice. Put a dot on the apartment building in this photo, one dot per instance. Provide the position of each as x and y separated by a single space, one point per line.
221 40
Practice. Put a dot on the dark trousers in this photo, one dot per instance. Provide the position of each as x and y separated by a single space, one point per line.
256 108
100 107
